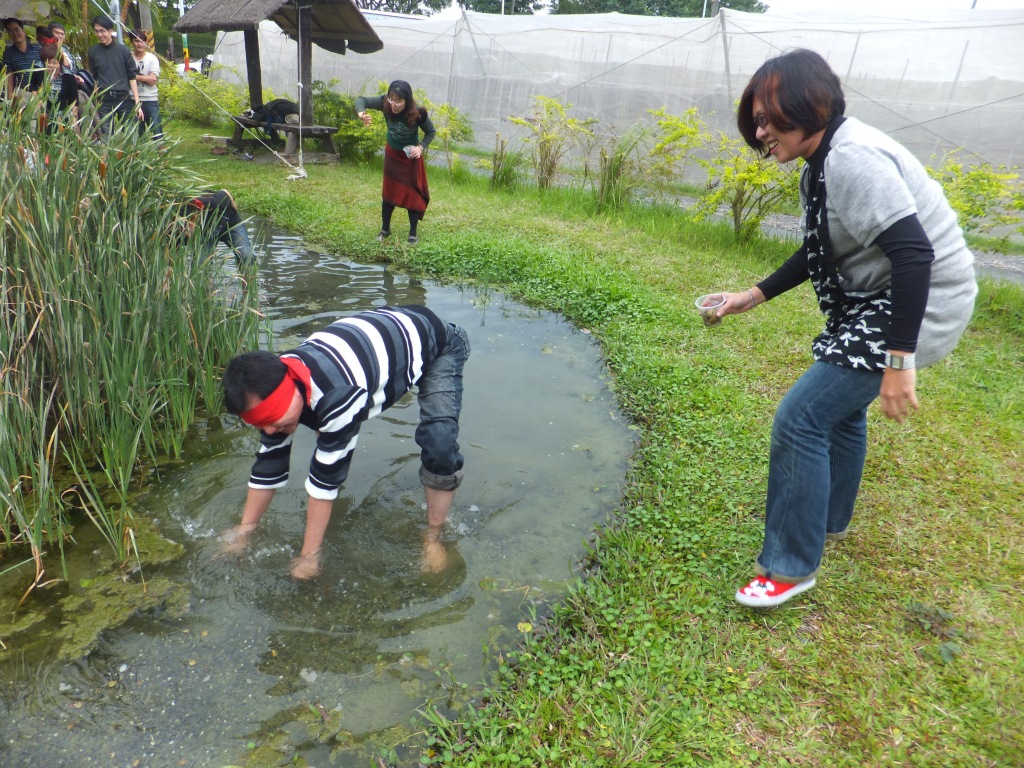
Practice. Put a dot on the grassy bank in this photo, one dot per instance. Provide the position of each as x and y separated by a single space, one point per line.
907 653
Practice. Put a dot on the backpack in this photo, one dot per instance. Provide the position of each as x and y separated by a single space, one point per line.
275 111
88 86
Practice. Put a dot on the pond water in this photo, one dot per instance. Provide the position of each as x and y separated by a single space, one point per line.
261 661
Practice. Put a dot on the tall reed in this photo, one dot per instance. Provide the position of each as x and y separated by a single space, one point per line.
113 330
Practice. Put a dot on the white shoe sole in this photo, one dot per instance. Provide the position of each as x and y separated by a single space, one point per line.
770 602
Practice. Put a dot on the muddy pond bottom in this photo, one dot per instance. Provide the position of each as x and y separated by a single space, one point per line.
261 669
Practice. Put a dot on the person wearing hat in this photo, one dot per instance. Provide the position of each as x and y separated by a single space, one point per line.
341 376
405 174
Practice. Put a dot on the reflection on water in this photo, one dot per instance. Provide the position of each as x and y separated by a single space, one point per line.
371 638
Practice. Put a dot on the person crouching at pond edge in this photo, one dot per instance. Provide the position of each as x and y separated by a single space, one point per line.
405 172
894 280
351 371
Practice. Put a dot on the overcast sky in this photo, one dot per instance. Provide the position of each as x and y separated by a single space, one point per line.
891 6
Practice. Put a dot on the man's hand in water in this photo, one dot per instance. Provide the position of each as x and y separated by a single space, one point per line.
306 566
234 540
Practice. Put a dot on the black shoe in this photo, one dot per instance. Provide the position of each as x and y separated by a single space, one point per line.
413 239
384 234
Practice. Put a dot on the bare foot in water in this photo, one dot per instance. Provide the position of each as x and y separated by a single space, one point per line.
435 556
306 566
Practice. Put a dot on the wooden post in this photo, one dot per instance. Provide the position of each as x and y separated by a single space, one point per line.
253 70
306 62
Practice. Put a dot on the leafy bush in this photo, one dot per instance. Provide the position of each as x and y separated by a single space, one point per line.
200 100
553 134
353 140
748 184
984 196
677 140
453 126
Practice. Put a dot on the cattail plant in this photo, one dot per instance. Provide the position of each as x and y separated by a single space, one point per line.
114 327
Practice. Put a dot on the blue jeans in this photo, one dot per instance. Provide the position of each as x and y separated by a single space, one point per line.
114 107
237 239
819 440
440 400
151 119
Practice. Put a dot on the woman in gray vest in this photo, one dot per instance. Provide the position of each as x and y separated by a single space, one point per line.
894 280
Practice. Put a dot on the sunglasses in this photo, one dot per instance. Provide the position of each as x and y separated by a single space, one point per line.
761 120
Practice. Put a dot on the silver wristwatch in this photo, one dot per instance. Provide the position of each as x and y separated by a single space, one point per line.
899 362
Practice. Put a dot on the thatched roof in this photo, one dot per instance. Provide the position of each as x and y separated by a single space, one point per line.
337 24
26 10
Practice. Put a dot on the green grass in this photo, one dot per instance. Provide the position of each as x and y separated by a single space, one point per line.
909 650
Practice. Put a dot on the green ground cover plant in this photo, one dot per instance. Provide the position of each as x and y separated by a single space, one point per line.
909 651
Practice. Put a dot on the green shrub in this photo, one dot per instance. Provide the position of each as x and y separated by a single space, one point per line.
200 100
749 185
552 135
453 127
504 165
353 140
984 196
678 139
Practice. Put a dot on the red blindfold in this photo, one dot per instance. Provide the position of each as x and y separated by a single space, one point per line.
274 407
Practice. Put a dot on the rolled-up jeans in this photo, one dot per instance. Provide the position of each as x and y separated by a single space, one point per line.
819 441
440 401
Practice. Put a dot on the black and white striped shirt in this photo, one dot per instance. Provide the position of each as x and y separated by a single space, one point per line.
360 366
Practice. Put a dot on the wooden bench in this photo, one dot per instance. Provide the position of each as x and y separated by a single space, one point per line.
292 132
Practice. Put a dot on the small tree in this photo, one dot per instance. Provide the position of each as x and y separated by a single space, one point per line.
553 134
749 185
453 127
677 138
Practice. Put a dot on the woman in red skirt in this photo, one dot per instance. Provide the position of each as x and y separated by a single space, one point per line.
405 174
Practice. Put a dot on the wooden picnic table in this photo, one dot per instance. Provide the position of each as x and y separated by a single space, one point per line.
293 133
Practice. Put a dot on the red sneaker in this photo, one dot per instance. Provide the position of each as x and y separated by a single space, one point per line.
766 593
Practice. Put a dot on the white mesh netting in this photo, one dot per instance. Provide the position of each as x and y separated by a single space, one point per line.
952 80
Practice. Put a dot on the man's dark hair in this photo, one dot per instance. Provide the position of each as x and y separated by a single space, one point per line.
798 90
103 21
137 34
13 20
55 25
256 373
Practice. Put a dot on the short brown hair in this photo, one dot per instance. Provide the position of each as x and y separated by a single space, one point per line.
798 90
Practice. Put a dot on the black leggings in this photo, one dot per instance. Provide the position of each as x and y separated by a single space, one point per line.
386 209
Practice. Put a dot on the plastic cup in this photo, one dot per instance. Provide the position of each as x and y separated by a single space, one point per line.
408 150
708 305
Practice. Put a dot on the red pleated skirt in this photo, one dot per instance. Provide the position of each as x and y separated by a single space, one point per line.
405 181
